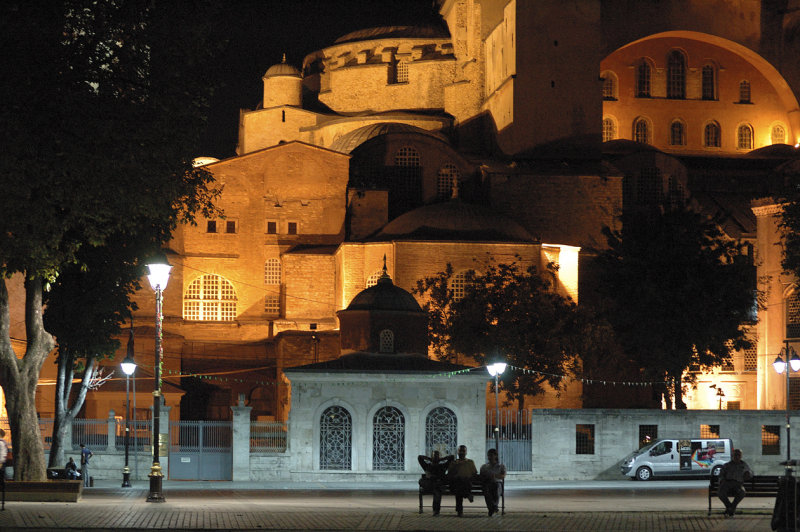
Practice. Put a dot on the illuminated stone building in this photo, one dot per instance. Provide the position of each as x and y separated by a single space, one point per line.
514 128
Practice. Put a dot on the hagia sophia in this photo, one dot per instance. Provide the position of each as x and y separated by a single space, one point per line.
515 130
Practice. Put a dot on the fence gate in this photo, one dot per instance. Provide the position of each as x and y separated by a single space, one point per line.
200 450
515 438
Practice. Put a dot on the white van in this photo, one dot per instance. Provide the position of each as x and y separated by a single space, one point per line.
697 457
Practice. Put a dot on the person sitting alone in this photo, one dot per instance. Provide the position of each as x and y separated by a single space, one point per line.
731 480
71 469
492 473
435 469
459 476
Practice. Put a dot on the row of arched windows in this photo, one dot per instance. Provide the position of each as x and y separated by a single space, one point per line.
712 133
388 437
211 297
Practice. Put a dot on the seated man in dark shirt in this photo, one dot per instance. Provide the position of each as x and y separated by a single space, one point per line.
435 469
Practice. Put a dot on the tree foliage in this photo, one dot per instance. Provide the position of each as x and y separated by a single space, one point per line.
790 225
103 104
678 293
519 315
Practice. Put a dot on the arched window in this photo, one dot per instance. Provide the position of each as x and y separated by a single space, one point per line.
744 137
388 440
387 341
372 280
441 431
272 278
402 71
643 79
709 83
609 129
793 316
778 134
711 135
641 131
459 283
406 189
335 439
609 86
677 133
448 175
209 298
676 75
744 91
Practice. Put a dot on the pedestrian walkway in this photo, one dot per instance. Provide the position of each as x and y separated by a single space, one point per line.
219 506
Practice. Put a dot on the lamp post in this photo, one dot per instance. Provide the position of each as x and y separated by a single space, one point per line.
496 369
792 363
158 277
128 367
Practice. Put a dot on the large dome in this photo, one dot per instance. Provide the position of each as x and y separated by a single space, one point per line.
395 32
352 140
384 296
453 220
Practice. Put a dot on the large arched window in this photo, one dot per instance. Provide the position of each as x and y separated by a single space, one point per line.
388 440
459 283
209 298
335 439
744 137
709 83
272 278
676 75
778 134
641 131
711 135
643 79
448 176
386 341
441 431
609 129
677 133
406 187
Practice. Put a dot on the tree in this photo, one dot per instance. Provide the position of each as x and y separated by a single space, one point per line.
790 225
103 103
679 293
518 314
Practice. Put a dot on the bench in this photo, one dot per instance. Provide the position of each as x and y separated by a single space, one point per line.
757 486
46 491
476 489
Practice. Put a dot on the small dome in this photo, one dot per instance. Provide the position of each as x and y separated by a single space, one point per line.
453 220
775 150
282 69
384 296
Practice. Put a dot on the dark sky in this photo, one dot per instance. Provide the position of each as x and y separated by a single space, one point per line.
258 32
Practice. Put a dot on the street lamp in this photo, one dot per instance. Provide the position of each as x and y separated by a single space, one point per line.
128 367
158 277
496 369
780 366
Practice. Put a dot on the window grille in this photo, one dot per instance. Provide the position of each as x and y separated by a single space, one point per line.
388 440
677 134
744 92
272 228
372 280
793 316
641 131
733 405
647 434
709 431
709 83
230 226
609 87
584 439
643 80
712 135
676 75
291 228
441 431
649 185
407 185
770 439
745 137
272 304
387 341
794 392
272 271
778 134
402 72
211 226
448 176
209 298
335 439
751 356
609 129
459 283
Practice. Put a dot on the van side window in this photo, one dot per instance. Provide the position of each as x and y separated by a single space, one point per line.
662 448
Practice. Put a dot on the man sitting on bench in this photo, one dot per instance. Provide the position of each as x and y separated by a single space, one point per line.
492 473
459 476
731 480
435 469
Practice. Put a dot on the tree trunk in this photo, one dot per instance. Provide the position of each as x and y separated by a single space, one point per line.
64 412
678 393
19 377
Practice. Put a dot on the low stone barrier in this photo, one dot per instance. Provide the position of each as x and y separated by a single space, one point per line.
44 491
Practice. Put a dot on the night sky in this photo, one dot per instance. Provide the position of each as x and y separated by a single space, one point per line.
259 32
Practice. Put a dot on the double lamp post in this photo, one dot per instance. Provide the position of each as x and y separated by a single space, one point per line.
791 363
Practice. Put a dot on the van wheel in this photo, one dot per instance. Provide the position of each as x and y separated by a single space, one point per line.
715 471
644 473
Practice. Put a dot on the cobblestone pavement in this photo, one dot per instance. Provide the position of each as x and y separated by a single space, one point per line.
217 507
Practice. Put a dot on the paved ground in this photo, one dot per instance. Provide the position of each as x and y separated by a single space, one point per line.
559 506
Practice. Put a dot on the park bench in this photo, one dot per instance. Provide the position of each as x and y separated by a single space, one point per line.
476 490
757 486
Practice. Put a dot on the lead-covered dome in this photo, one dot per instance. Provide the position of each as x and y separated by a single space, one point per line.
282 69
384 296
453 220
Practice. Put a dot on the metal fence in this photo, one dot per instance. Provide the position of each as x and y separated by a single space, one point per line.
268 436
90 432
45 428
141 434
209 436
515 431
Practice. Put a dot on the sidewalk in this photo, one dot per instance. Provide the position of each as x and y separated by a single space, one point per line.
247 506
